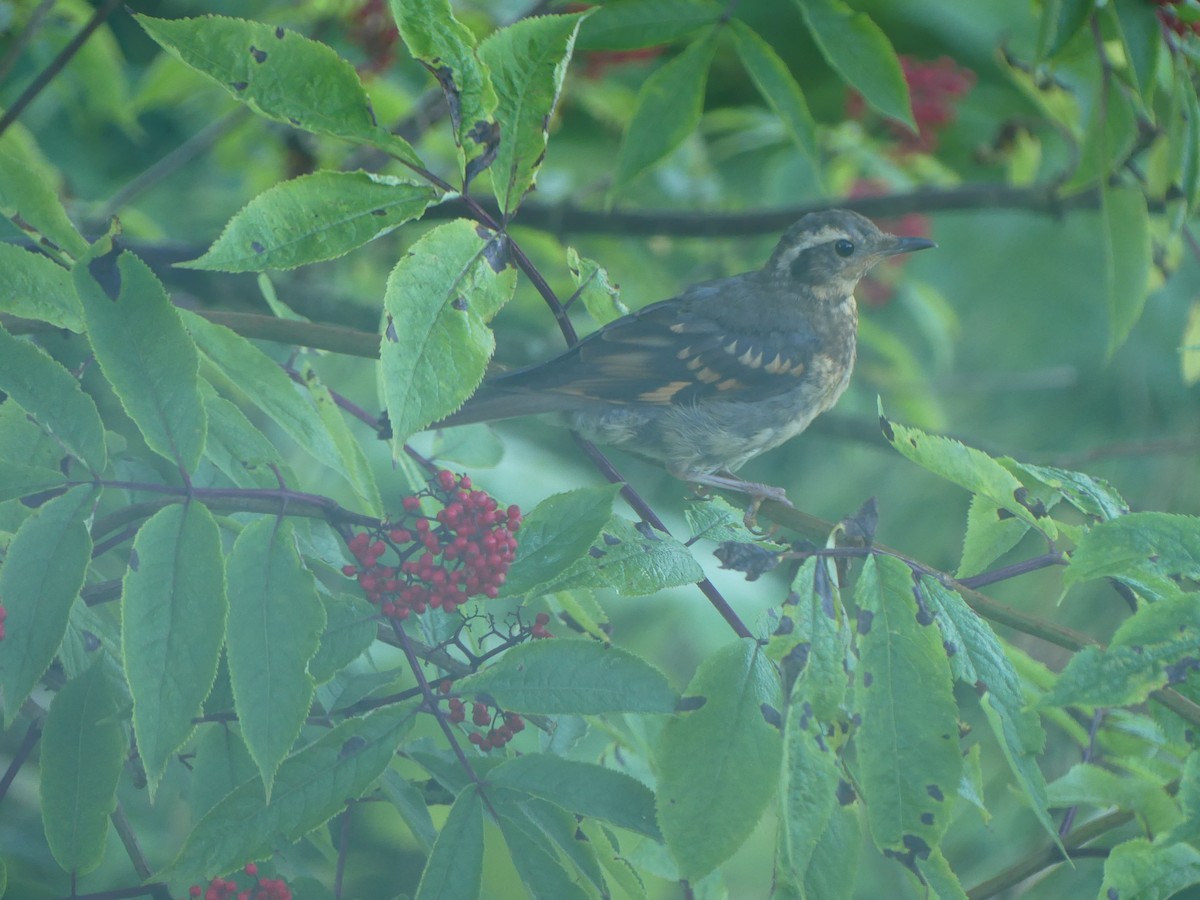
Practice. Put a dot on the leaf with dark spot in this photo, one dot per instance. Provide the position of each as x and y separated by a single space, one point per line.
845 793
257 247
786 625
279 32
917 845
611 539
865 617
935 792
886 427
868 679
459 303
260 56
239 85
751 559
689 704
927 818
597 553
771 715
389 332
134 562
858 530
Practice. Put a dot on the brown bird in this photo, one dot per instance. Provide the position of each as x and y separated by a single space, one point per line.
705 381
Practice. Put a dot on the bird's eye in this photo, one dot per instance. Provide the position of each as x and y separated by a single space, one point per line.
843 248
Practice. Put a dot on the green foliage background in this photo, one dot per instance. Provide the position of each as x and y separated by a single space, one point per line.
1055 325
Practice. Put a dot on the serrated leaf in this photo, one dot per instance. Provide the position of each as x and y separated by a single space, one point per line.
409 802
777 86
718 764
313 218
577 677
581 788
990 534
350 627
311 787
555 534
1145 550
532 852
82 751
29 194
634 24
275 72
17 480
145 353
172 627
275 625
1127 257
35 287
967 467
861 54
939 877
600 297
833 866
221 763
1158 645
527 62
447 48
455 865
52 395
714 519
1141 35
1142 794
907 745
40 578
1137 868
809 792
436 343
668 109
239 450
1087 493
261 381
355 464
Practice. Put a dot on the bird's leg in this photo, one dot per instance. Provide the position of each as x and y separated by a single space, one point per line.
758 493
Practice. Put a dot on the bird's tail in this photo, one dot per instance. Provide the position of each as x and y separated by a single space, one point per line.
490 403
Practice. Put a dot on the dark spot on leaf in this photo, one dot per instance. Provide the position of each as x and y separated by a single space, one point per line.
580 836
786 625
868 679
864 621
824 591
257 247
546 122
1112 894
384 431
913 441
495 252
926 818
260 56
1003 514
389 333
488 135
379 212
352 746
1137 648
445 78
541 157
690 704
771 715
597 553
886 427
459 303
792 599
134 561
949 647
239 85
924 614
279 33
859 529
64 464
797 657
856 720
845 793
981 688
108 276
371 114
935 792
294 121
916 845
611 539
1178 672
751 559
646 530
91 643
821 745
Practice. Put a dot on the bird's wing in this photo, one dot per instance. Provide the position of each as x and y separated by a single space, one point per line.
671 352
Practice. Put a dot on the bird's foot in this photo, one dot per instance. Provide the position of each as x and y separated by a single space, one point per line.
758 493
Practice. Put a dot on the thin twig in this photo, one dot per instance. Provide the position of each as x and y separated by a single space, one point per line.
32 733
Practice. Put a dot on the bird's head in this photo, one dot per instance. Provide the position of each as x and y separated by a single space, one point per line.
828 252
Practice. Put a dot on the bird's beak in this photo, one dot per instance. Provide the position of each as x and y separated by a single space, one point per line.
907 245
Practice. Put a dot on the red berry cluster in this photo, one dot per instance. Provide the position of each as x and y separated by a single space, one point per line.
227 889
437 561
539 627
934 87
1171 21
3 616
878 286
501 726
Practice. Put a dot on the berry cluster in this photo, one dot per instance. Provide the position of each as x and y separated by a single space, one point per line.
227 889
437 561
935 88
500 726
1171 21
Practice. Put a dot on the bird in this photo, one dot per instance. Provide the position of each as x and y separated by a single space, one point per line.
730 368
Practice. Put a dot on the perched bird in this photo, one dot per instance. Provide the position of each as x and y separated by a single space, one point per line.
730 368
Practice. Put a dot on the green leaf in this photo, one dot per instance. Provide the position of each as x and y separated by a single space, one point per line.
777 85
1145 795
145 353
555 534
436 343
1141 35
634 24
261 381
1190 169
239 451
29 195
172 627
409 800
718 762
668 109
455 865
355 464
221 763
810 784
275 625
1145 550
714 518
1088 494
532 851
967 467
82 752
834 864
908 751
568 676
447 48
313 218
40 578
1127 258
1110 134
991 532
350 626
52 395
1158 645
279 74
1148 871
311 787
936 873
35 287
17 480
542 818
861 54
581 788
527 62
1061 21
600 297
